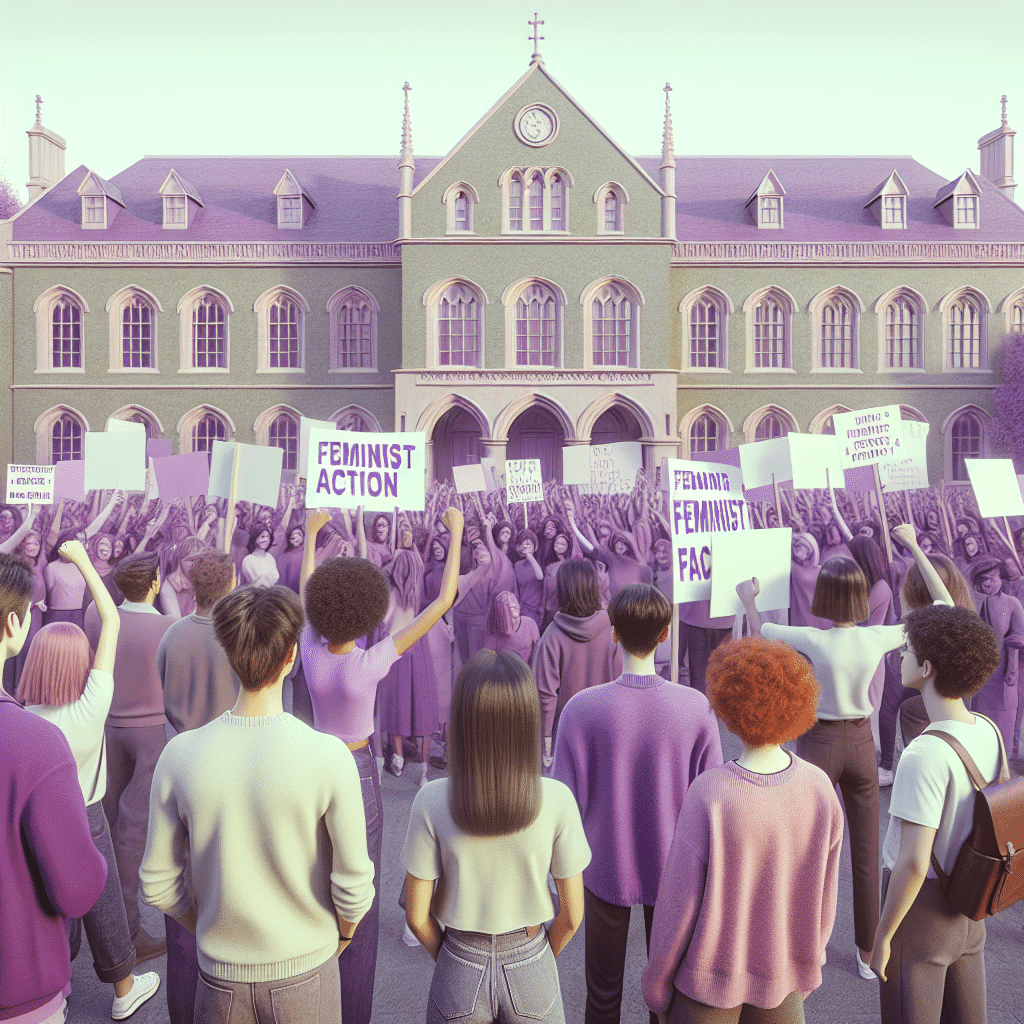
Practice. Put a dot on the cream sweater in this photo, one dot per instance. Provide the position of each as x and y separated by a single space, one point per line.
268 816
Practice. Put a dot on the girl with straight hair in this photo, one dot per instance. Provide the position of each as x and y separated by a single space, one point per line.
27 543
845 659
508 629
65 684
494 825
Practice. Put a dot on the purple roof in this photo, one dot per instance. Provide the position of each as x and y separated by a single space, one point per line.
356 200
825 197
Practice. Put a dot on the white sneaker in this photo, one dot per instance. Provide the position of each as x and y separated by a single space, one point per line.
885 777
397 764
409 939
862 968
143 987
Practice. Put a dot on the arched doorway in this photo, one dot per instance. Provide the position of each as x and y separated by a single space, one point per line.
456 440
536 434
615 424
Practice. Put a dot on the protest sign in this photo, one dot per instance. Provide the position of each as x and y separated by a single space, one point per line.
494 477
576 466
469 478
381 472
116 426
116 459
69 480
305 426
995 487
765 554
159 447
522 480
30 484
910 472
810 456
869 436
705 498
182 476
613 467
259 472
760 461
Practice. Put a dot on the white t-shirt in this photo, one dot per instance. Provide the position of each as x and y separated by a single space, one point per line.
82 723
844 661
494 884
932 788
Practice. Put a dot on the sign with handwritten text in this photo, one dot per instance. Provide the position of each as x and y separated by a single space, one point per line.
869 436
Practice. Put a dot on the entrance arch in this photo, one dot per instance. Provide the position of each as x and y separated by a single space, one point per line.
456 441
537 434
615 424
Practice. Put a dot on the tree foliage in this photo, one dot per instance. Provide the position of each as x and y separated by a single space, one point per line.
1008 399
10 201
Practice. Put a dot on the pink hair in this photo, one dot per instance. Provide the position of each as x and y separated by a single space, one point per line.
500 620
57 666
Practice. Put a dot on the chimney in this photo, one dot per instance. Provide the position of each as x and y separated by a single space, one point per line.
45 156
997 156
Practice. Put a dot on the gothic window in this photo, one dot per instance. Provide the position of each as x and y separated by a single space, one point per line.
284 434
137 334
964 334
535 199
537 324
771 425
66 439
836 316
771 324
208 428
901 348
66 334
354 313
613 327
705 434
209 335
459 335
515 202
966 440
557 192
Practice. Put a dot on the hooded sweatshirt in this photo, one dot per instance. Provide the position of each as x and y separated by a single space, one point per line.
573 653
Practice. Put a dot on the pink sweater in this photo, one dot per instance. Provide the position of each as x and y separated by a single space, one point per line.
748 895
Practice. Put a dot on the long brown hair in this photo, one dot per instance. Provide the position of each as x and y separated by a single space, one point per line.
57 667
494 746
915 592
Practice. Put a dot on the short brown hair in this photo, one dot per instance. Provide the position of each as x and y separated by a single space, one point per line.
494 746
134 575
915 594
257 627
577 588
210 577
639 612
15 587
57 667
841 592
763 690
346 598
963 650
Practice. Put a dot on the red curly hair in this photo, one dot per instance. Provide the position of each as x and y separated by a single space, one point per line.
763 690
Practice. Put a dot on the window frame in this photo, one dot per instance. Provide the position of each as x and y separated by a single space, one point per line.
43 428
948 305
888 223
610 189
705 293
788 307
629 292
335 304
510 298
689 421
526 176
191 419
949 425
754 420
115 307
262 307
919 306
816 310
450 200
263 427
186 307
43 308
1013 306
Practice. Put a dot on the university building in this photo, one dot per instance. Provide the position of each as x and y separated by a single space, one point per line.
536 288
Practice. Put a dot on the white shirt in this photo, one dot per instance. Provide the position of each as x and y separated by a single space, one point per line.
932 788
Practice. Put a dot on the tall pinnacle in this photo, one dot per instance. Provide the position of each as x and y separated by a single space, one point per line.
39 109
536 23
668 158
406 156
1003 102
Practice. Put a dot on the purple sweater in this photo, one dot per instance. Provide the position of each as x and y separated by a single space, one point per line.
573 653
49 867
629 750
749 894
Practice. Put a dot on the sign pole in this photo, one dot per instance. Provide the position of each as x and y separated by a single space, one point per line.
910 512
945 520
778 501
674 674
1012 546
881 512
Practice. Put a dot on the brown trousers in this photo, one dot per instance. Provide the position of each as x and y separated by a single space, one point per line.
936 965
845 751
685 1010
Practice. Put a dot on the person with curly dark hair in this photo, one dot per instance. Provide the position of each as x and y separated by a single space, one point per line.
931 959
747 898
346 599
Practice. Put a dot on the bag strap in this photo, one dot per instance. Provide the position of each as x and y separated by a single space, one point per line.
972 769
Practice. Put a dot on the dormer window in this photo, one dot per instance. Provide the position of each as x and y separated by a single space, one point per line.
888 203
293 203
181 201
100 201
765 203
894 212
959 202
966 211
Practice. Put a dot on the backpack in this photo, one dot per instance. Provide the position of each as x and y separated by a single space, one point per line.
988 875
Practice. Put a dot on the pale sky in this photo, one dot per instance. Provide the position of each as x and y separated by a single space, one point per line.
121 80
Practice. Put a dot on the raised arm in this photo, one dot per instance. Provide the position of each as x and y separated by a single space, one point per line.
748 591
405 638
110 622
12 542
51 537
583 542
315 522
907 536
360 534
836 514
104 514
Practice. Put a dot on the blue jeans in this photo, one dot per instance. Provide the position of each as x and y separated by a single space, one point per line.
480 979
358 962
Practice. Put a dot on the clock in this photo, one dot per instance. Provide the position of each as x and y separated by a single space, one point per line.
536 125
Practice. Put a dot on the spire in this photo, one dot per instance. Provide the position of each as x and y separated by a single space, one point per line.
668 158
406 156
1003 102
39 109
536 23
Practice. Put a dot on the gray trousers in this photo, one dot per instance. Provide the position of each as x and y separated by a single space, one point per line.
310 998
131 757
685 1010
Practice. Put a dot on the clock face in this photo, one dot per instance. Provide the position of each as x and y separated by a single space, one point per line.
536 125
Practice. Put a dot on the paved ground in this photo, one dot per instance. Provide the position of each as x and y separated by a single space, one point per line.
403 974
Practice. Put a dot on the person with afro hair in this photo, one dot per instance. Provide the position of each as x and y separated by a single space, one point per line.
346 599
930 958
748 894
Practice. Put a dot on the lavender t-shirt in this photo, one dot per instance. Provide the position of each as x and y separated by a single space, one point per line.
342 687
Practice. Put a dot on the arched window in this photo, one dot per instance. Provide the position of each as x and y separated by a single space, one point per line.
611 212
459 199
966 438
138 414
837 341
354 313
901 342
705 314
537 324
705 434
771 425
613 325
283 328
66 439
208 428
534 199
768 422
610 200
137 350
59 330
536 194
823 422
557 190
458 327
964 334
205 315
461 211
515 202
771 334
1017 317
284 434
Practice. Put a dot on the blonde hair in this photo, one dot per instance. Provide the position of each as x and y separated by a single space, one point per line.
57 666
